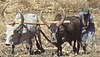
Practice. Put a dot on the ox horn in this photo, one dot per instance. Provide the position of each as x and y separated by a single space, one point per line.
2 14
63 18
22 18
43 20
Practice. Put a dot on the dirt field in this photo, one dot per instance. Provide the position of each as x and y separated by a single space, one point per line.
49 6
21 51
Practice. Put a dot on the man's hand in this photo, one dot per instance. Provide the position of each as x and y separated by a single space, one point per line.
87 25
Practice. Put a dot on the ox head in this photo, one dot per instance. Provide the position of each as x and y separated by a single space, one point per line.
55 28
10 28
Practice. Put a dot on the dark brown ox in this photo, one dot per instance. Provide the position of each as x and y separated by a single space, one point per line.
62 32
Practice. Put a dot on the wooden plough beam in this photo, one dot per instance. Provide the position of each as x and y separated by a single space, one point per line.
40 23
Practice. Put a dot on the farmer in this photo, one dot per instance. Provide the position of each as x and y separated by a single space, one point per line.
88 28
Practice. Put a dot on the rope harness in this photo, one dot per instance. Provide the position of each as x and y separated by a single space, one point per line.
19 29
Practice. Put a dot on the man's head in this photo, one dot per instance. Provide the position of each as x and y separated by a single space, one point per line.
86 14
85 10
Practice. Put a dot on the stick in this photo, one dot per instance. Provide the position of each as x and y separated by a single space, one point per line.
49 48
40 23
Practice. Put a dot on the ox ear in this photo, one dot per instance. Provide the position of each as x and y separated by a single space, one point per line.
17 17
63 18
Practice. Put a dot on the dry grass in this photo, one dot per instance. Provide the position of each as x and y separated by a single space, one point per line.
50 7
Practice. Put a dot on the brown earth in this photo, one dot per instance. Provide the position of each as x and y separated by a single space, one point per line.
51 7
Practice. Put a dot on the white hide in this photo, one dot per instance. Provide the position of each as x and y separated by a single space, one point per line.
9 32
10 29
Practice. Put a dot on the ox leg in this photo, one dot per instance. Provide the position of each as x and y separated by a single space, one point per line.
84 48
30 47
74 47
13 46
40 43
59 51
78 46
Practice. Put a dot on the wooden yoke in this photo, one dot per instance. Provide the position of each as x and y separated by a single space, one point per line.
40 23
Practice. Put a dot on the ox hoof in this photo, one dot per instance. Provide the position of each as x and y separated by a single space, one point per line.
7 44
42 50
12 52
54 41
59 54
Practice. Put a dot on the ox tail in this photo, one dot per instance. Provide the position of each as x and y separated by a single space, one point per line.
46 37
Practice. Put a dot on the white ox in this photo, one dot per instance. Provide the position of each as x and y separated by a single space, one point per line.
27 34
11 38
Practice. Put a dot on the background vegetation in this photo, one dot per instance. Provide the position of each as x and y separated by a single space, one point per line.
51 8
